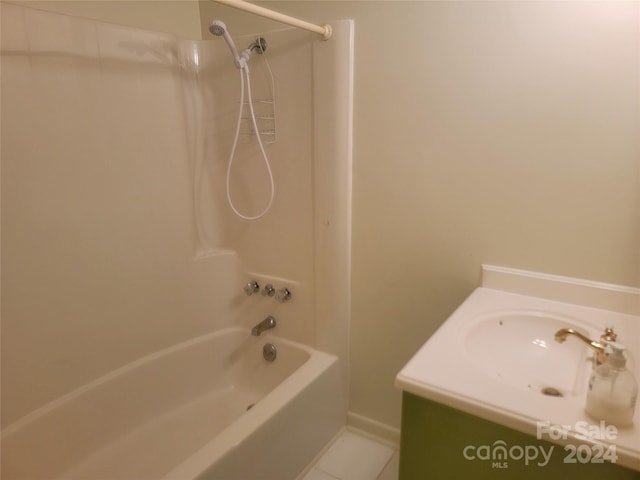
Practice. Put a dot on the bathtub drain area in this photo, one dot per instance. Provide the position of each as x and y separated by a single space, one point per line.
269 352
551 392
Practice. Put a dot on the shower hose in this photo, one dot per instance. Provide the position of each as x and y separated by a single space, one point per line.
244 72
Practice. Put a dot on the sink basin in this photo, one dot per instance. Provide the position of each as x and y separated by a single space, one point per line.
518 348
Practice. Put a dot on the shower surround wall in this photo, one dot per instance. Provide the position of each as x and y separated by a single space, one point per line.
303 242
116 237
281 243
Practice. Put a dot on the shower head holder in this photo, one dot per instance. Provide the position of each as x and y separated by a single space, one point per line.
259 45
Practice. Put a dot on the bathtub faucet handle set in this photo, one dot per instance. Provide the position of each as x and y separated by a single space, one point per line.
282 295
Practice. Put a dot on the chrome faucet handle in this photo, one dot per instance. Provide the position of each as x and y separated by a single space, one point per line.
251 288
268 290
283 295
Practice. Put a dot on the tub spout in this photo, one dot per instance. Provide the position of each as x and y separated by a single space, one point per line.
266 324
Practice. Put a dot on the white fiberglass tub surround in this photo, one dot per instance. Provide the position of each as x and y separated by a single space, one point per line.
89 388
186 408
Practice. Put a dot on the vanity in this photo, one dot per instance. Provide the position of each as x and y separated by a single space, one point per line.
495 394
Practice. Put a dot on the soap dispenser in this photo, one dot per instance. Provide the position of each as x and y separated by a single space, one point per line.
613 389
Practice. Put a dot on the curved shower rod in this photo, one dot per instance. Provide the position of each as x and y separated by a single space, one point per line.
323 30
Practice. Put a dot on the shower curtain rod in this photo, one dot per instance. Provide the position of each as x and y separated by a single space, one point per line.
322 30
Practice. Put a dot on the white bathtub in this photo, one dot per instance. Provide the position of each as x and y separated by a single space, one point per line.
181 413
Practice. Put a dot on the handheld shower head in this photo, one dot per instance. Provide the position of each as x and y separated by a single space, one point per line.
219 29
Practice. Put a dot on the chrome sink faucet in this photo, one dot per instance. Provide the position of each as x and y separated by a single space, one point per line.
266 324
599 356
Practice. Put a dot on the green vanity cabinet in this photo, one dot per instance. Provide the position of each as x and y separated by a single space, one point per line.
442 443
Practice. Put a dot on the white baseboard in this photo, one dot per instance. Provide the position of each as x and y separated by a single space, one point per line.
372 428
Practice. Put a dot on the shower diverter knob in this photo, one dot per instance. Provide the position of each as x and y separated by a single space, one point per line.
268 290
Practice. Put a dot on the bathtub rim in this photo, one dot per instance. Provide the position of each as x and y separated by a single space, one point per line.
145 360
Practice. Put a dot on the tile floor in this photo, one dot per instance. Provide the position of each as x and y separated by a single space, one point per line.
355 457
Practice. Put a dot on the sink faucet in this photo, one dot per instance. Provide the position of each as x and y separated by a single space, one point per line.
599 357
266 324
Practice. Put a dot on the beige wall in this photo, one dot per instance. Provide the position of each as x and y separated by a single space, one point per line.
180 17
485 132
